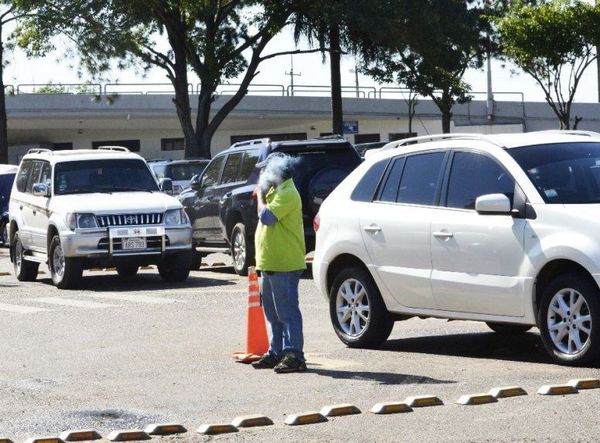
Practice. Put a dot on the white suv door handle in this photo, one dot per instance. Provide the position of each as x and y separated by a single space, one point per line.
372 228
443 234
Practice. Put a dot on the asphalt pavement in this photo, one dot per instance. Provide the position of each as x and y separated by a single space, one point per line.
118 355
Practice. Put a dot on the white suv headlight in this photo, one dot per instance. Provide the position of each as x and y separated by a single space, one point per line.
86 221
176 217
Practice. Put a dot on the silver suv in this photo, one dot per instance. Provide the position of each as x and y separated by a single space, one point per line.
75 210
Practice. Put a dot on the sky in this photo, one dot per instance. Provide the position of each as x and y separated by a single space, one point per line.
310 67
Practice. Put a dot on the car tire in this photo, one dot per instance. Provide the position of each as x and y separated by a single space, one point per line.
196 261
358 314
508 329
4 232
570 310
24 270
175 267
65 271
127 271
242 249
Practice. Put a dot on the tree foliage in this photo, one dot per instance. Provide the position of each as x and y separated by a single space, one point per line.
216 39
432 46
554 42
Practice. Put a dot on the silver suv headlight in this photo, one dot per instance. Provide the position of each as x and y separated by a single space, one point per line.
176 217
82 221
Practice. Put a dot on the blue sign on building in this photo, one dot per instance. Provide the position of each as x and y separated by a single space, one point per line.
350 127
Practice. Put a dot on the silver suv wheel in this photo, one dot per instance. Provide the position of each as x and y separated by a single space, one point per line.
352 307
58 261
569 321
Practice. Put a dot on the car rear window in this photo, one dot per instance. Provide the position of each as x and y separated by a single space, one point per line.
366 187
184 171
314 158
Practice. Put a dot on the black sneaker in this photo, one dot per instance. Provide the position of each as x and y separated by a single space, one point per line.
267 361
290 363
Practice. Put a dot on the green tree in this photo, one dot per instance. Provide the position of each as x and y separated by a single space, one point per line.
432 46
216 39
554 42
337 27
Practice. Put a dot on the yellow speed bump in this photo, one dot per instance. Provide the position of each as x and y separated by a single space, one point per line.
81 435
45 440
339 410
508 391
164 429
306 418
213 429
250 421
557 390
129 435
476 399
584 383
394 407
421 401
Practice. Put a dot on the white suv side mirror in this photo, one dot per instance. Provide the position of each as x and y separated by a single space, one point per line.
493 204
41 190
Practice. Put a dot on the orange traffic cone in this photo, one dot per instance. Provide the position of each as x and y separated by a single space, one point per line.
257 342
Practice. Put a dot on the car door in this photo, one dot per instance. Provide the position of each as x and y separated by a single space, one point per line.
204 211
476 258
396 228
40 210
23 200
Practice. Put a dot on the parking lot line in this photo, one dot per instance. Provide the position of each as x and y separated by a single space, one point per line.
71 302
21 309
134 298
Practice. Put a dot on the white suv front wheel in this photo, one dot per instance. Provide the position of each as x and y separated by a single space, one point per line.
358 314
569 319
65 271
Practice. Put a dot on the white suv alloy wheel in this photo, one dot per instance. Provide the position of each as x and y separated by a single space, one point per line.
352 307
569 321
58 261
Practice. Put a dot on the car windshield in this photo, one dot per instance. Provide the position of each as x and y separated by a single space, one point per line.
184 171
563 173
84 177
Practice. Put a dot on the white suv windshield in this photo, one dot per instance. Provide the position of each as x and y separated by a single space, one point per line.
84 177
563 173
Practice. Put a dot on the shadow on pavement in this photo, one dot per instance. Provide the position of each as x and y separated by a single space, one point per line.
144 282
383 378
519 348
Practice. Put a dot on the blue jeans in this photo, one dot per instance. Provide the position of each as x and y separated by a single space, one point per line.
280 301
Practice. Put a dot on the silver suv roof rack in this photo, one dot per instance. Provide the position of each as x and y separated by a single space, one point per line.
434 137
113 148
40 150
572 132
256 141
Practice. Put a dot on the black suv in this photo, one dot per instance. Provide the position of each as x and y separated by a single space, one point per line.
222 206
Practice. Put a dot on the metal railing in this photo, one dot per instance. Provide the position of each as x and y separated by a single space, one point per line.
266 89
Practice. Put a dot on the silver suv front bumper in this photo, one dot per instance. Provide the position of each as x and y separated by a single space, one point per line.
112 242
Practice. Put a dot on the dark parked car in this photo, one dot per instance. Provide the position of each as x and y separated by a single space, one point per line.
222 206
7 177
179 171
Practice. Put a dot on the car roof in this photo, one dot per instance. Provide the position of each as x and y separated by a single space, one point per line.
490 142
196 160
102 153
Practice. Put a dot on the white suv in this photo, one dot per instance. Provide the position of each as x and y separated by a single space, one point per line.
503 229
75 210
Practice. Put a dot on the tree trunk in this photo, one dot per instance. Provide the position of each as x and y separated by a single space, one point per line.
335 56
3 118
204 134
184 113
446 118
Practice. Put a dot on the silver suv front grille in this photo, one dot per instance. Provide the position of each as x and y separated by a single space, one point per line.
105 221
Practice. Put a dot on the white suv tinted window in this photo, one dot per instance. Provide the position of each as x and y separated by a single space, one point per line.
24 174
420 178
473 175
366 187
389 191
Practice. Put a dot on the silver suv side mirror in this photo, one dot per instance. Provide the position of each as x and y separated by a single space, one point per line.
493 204
41 190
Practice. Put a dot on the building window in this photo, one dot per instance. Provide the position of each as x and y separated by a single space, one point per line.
132 145
172 144
62 146
366 138
401 135
273 137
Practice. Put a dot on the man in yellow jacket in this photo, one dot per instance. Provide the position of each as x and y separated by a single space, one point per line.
280 251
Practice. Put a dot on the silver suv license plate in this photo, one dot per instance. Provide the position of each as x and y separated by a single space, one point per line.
134 243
